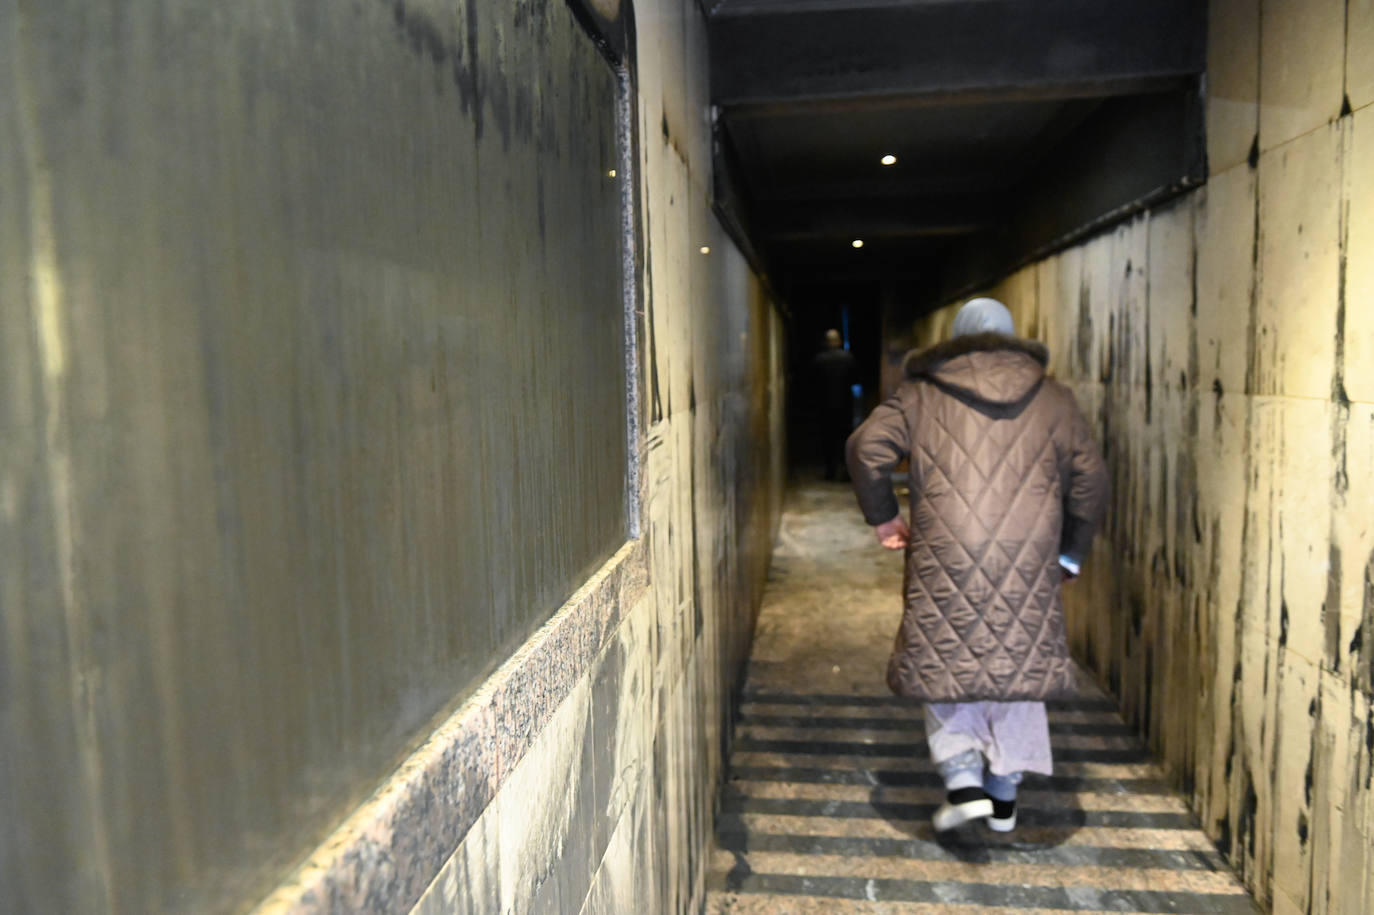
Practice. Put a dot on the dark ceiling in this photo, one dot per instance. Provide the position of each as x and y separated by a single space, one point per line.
1015 124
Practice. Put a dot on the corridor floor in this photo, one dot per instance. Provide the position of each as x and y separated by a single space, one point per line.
828 800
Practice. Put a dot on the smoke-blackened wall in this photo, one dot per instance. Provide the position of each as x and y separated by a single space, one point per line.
1222 347
313 410
314 414
611 809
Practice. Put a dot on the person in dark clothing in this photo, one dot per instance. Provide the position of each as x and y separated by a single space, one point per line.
833 371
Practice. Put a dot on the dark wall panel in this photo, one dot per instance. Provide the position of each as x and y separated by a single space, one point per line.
312 409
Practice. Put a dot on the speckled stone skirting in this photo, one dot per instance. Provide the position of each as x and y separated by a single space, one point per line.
388 851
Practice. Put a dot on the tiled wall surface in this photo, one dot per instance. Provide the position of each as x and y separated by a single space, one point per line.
1224 347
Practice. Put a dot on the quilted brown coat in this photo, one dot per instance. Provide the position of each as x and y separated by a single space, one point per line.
1005 477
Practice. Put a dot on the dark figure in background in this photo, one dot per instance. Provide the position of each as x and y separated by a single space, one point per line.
833 371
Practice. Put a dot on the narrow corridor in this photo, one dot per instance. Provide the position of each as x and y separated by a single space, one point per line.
828 800
398 397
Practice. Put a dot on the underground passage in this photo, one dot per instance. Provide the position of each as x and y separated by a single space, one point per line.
687 456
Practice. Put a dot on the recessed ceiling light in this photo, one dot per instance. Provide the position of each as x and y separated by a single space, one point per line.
611 173
889 159
705 249
858 242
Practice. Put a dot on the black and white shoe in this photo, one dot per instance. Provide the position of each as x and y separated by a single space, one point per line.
963 805
1003 817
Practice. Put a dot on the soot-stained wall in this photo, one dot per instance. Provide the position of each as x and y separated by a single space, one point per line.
1224 346
313 408
611 809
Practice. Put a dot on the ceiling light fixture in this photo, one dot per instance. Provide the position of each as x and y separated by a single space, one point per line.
705 249
889 159
858 242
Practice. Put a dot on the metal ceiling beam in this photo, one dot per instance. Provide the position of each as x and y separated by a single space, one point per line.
1133 153
836 191
880 217
952 52
873 261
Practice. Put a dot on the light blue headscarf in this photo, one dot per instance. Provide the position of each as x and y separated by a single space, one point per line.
981 316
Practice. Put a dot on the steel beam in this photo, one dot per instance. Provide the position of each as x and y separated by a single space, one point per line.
952 52
882 217
1131 155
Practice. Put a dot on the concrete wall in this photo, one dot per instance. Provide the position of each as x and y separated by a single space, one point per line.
311 335
1224 346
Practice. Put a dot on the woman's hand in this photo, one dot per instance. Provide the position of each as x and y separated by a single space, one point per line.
894 534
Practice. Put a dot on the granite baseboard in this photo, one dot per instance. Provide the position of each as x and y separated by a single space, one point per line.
382 858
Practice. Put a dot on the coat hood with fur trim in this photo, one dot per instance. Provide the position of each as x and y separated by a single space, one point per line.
992 368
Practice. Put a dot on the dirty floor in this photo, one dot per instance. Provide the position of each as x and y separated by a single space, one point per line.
828 802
